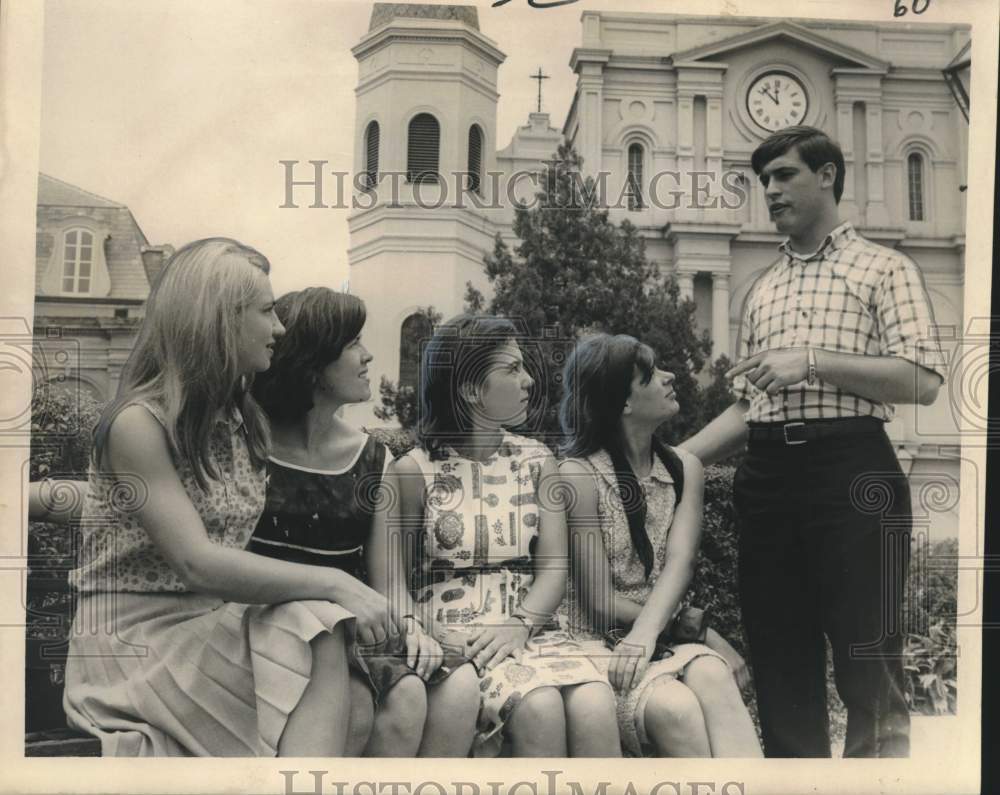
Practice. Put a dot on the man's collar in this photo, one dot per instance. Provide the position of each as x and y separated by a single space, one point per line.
837 239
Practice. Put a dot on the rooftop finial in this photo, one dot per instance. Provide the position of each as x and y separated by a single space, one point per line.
539 77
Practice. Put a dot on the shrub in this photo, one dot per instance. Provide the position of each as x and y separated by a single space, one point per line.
61 425
931 652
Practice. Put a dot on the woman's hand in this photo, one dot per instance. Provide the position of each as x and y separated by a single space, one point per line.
374 622
741 672
494 644
630 659
423 653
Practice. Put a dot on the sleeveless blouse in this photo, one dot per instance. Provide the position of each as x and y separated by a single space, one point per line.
117 553
322 517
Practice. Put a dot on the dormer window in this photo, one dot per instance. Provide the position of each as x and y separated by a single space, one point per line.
78 261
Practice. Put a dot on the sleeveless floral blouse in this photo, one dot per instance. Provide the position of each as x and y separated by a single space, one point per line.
117 553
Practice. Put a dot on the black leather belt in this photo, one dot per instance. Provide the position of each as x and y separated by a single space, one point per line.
792 433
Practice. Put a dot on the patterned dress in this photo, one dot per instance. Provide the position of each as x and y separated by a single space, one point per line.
629 581
156 670
481 525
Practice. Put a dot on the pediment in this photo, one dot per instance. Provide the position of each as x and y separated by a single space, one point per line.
790 31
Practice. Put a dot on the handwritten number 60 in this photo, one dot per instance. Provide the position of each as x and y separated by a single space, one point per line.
918 7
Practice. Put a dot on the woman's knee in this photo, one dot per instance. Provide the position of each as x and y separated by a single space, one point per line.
462 689
541 706
710 676
673 706
590 700
406 703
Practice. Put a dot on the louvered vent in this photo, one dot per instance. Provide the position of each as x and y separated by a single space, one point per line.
371 155
422 151
475 158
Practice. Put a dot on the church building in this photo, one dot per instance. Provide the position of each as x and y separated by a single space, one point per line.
666 113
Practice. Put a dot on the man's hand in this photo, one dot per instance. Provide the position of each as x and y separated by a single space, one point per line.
771 371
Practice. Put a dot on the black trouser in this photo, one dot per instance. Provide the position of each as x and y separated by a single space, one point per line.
824 550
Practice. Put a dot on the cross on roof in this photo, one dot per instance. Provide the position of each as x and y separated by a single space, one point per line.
539 77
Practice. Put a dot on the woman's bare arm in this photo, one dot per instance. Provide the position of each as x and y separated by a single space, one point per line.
589 560
137 446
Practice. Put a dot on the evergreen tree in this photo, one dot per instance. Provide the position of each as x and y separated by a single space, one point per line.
575 272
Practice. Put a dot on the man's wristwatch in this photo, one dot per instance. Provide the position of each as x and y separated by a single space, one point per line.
811 373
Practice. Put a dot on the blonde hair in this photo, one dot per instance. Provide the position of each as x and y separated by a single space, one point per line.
186 357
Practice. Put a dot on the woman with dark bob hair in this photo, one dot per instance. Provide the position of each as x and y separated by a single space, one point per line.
325 507
635 525
487 542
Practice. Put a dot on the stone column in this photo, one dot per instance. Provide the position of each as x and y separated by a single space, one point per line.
685 281
720 315
878 215
588 63
845 137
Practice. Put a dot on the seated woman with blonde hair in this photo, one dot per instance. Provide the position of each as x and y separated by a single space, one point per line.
184 643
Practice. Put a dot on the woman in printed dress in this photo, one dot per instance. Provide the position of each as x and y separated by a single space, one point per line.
634 548
184 643
323 497
478 518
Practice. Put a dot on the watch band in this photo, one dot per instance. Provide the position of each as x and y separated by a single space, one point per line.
811 375
531 626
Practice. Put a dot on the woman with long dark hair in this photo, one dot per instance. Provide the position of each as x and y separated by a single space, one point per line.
478 520
635 524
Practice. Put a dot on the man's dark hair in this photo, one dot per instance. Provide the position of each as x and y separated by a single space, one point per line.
815 147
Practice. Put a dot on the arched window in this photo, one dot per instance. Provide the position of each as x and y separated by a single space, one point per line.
415 330
78 260
475 158
422 149
915 185
634 184
371 155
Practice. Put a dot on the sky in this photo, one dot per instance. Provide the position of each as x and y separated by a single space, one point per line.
181 110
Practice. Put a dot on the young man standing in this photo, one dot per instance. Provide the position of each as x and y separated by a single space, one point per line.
832 335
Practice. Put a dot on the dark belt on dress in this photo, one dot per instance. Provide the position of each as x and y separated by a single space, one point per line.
793 433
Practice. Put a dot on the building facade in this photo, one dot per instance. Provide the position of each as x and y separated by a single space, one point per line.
93 270
666 113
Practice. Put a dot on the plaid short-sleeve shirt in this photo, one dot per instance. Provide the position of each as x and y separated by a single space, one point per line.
850 296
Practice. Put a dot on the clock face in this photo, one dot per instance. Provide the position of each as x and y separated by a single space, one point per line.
776 100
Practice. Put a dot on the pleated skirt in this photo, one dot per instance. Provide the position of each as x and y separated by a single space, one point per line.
190 675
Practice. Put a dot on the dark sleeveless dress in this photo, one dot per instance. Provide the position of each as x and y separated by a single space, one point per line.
324 518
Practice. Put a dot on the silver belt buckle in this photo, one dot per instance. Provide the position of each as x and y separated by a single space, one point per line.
784 430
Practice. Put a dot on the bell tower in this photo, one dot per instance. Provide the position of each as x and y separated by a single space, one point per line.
425 142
